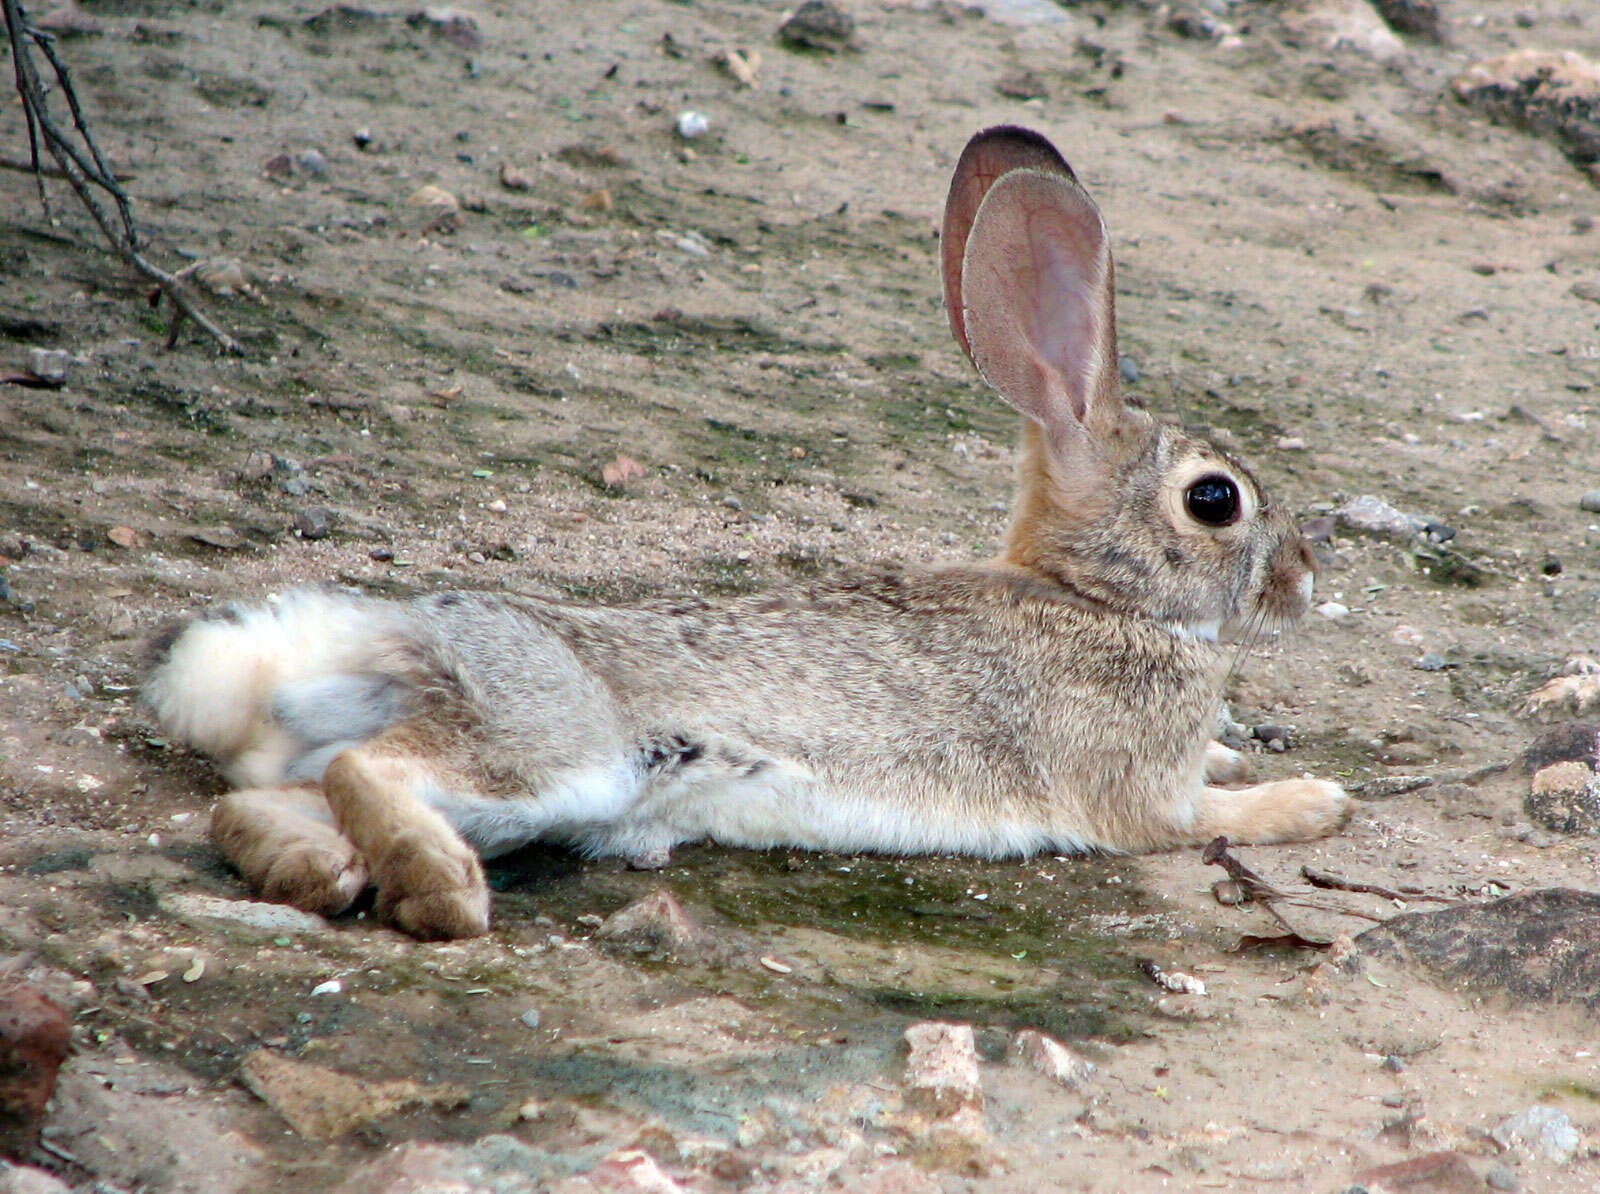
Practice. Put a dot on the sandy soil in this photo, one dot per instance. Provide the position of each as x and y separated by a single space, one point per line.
1344 273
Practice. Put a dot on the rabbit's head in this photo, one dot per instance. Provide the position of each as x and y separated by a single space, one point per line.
1131 514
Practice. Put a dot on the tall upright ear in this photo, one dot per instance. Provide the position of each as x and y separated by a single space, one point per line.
990 154
1038 290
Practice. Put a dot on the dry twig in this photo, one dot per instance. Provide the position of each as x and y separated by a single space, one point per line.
85 168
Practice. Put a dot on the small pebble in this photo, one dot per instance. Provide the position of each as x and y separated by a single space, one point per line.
315 522
497 506
312 162
1438 532
530 1018
49 364
332 987
1291 443
1430 661
819 25
692 124
1590 501
1333 611
1130 370
1501 1177
1274 737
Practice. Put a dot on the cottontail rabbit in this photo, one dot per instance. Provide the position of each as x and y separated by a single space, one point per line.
1058 697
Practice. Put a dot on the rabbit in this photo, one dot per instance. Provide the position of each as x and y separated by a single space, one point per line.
1059 697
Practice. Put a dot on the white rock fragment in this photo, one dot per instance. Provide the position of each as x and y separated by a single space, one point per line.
1175 981
1051 1058
1333 611
692 124
272 918
1376 517
942 1068
1540 1131
1342 25
332 987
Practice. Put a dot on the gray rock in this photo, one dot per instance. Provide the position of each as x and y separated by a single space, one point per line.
49 364
1590 501
1430 661
819 25
1550 93
1540 1131
1564 798
315 522
495 1164
1418 18
1571 741
1501 1177
1537 947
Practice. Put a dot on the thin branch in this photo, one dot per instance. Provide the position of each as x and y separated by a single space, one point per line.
83 174
23 165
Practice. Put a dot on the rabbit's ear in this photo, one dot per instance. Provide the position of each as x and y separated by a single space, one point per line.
990 154
1037 289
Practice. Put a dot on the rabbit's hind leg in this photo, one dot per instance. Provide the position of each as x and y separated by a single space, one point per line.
285 844
430 882
1285 810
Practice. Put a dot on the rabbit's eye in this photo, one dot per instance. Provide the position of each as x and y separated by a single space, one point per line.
1213 500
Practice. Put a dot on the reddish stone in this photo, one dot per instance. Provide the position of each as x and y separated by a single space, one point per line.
35 1034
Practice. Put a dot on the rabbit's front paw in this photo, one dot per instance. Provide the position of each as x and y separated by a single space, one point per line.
1286 810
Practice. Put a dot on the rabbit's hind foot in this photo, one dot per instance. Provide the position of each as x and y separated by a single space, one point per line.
1285 810
430 882
284 842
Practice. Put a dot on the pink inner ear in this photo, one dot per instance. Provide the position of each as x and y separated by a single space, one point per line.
1065 319
1037 287
988 156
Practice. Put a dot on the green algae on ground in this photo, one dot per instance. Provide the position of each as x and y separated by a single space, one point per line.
1041 942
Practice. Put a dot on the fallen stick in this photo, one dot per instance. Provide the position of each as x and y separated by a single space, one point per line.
85 169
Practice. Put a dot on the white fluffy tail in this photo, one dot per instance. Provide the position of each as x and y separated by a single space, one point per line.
219 684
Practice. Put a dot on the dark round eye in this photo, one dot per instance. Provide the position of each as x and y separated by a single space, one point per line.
1213 500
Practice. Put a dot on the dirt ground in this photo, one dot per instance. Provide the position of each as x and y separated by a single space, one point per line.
1348 275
